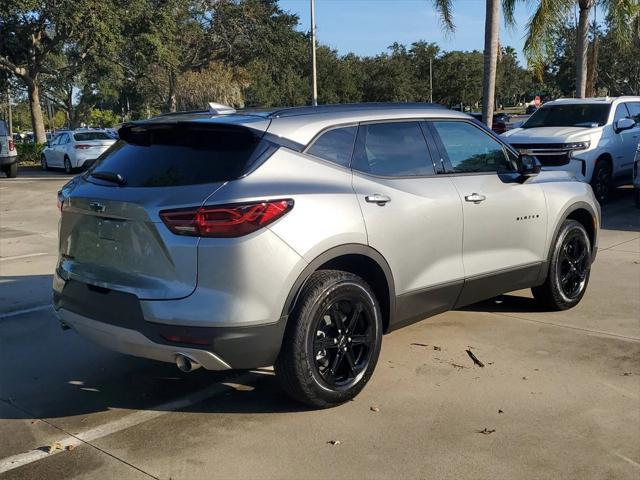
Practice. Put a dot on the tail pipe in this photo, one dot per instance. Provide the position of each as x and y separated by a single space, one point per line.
186 363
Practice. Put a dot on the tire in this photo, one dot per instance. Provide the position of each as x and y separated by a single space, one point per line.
569 269
601 180
320 364
43 163
11 170
67 165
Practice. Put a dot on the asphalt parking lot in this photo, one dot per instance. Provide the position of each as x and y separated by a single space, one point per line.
558 397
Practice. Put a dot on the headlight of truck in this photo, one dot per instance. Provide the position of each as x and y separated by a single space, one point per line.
578 145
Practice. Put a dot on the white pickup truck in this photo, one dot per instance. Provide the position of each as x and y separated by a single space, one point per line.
594 138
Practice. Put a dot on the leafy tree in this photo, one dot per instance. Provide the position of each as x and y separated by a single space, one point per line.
33 32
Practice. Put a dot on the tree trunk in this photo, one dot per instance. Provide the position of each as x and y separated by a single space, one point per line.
491 33
582 48
172 103
592 68
37 121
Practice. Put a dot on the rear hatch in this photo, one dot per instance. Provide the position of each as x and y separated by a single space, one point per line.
111 234
92 142
4 142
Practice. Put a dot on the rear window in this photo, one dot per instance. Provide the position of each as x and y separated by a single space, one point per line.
87 136
3 128
183 154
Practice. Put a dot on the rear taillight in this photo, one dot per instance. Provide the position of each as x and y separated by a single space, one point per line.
225 221
60 201
81 146
11 145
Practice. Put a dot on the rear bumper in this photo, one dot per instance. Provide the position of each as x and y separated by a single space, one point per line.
132 342
115 320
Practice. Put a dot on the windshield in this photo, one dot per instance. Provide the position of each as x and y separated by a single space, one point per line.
87 136
586 115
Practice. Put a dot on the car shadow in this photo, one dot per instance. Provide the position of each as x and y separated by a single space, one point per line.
508 303
619 212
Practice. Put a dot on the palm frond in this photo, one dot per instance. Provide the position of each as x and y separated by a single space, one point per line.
623 18
508 8
445 11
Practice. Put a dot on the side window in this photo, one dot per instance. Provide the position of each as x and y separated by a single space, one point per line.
396 149
336 145
621 112
469 149
634 110
64 139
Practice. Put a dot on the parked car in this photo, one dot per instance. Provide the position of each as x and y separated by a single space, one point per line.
593 138
8 152
499 124
636 177
297 237
75 149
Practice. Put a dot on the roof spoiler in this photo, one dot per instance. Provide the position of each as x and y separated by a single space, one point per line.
220 109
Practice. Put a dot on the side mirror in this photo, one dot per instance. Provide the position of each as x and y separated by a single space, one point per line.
530 166
624 124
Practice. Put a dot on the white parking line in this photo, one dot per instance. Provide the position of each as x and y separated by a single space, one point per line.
128 421
27 255
15 313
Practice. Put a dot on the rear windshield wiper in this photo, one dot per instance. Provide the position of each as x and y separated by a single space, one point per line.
109 177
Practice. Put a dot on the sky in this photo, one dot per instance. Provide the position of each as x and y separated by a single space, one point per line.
368 27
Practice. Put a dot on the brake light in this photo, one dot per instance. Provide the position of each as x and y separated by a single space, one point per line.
11 145
225 221
81 146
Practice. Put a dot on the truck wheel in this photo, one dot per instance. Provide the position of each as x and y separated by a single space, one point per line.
332 342
601 180
11 170
569 269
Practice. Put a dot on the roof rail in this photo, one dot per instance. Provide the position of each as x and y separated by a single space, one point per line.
347 107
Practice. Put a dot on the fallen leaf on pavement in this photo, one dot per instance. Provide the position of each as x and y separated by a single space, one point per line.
70 447
374 409
500 411
334 442
420 344
474 358
486 431
54 446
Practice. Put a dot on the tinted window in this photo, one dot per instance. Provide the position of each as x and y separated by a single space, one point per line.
470 149
621 112
64 139
3 128
170 155
570 115
634 110
392 150
335 145
86 136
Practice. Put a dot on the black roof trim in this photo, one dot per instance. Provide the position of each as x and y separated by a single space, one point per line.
349 107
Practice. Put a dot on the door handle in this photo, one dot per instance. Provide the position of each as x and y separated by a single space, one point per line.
475 198
377 198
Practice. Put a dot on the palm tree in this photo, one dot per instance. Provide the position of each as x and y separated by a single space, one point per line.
491 45
622 19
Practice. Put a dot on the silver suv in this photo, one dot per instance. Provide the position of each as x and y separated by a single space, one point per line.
298 237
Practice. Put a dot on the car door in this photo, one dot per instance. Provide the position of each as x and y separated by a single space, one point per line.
413 217
52 152
505 220
624 142
59 150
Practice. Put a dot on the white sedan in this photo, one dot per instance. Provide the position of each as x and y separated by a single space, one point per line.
75 149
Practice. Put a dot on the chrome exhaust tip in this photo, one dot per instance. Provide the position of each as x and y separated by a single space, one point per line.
186 364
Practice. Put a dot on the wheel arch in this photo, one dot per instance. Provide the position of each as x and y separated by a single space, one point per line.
359 259
583 213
